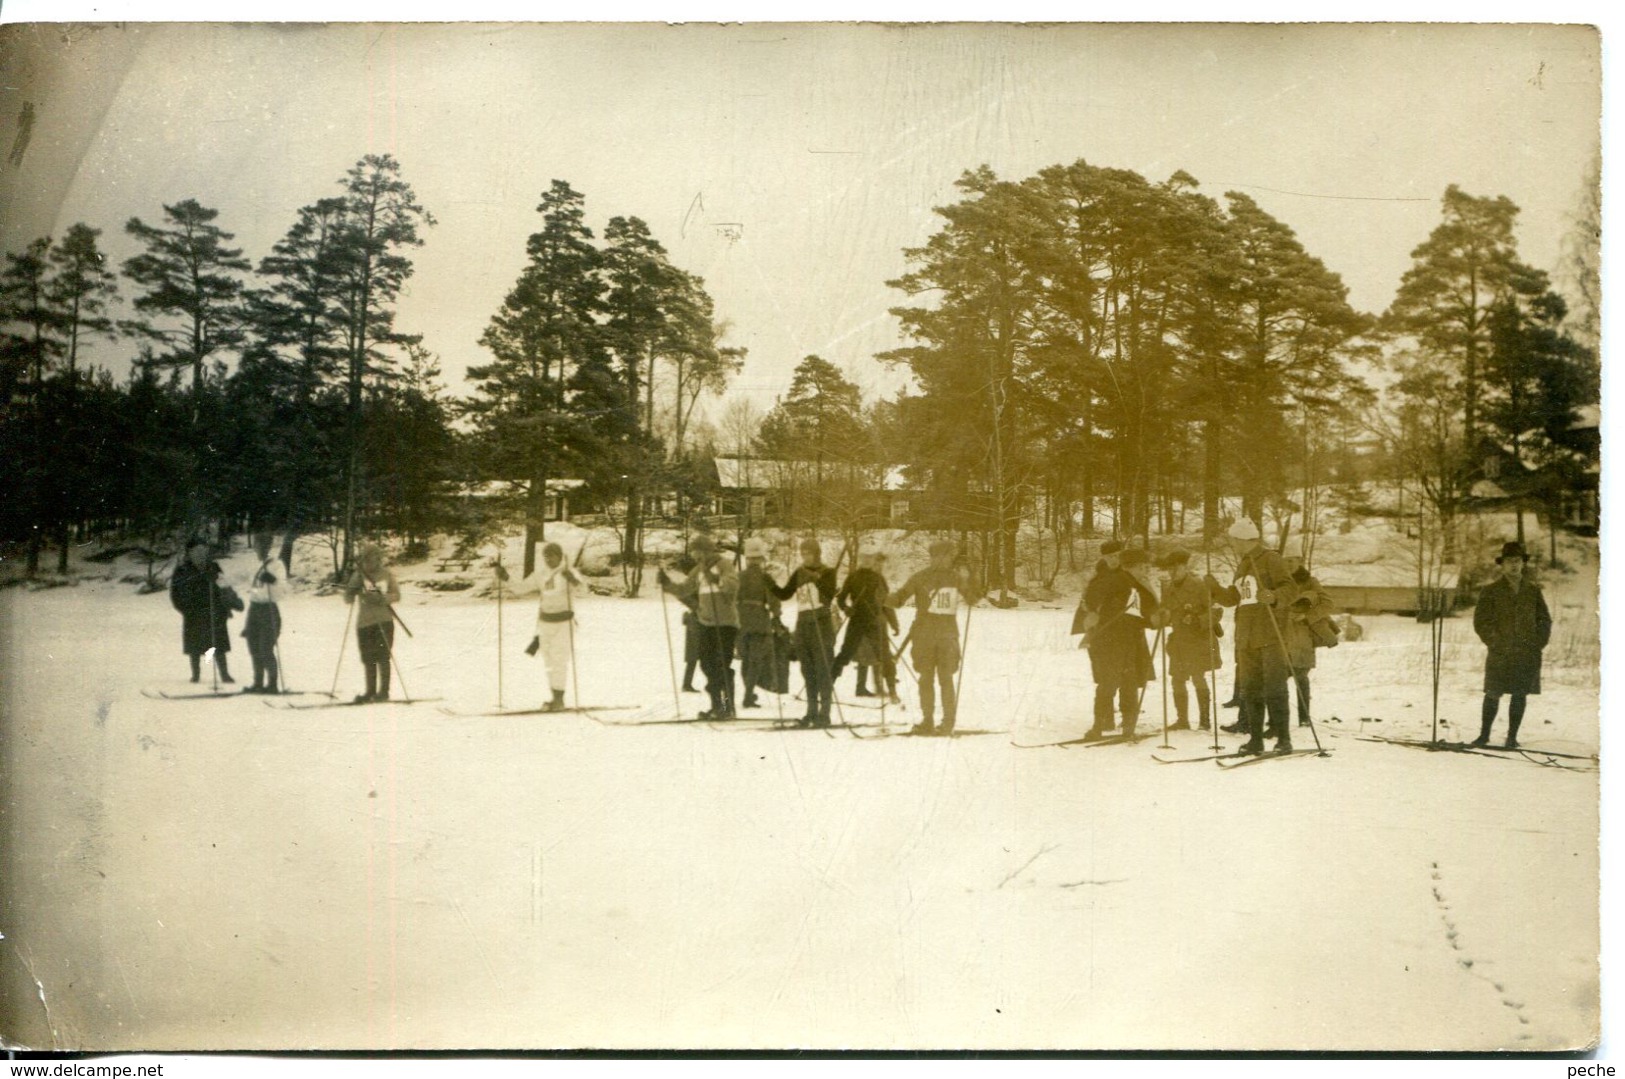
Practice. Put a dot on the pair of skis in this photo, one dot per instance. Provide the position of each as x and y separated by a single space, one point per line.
1550 758
1237 759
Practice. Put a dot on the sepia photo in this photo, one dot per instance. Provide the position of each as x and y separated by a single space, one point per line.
827 536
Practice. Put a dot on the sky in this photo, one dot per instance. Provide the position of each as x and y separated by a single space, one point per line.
789 165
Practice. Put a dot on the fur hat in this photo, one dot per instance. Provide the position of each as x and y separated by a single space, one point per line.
1175 557
1512 550
1134 557
1110 547
1243 529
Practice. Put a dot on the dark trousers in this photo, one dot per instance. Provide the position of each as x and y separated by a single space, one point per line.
815 648
1514 718
1301 681
716 660
862 629
1204 700
261 632
376 643
1127 696
1262 675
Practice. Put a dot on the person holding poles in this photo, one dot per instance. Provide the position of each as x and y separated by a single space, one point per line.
1512 619
713 590
264 623
937 592
812 586
1312 608
205 607
555 582
1262 592
378 591
758 621
1188 612
1119 659
862 597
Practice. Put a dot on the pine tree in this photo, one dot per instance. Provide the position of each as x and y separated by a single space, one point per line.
81 288
546 330
189 278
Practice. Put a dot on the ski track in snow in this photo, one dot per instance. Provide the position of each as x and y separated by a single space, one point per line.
219 874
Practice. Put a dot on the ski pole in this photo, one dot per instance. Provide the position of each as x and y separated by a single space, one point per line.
348 618
499 627
213 653
575 678
671 662
281 671
399 677
1161 631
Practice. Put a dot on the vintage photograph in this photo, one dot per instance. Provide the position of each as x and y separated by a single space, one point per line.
937 536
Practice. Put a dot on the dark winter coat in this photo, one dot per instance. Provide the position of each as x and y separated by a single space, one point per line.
758 643
1192 644
203 604
1516 624
863 598
1118 653
758 606
1258 625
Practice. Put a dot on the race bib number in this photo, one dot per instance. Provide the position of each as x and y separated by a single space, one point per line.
943 601
1248 587
807 596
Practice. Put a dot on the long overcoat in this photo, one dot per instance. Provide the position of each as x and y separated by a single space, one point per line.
1516 625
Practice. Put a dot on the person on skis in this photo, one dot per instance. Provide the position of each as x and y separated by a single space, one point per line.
1262 592
862 598
1513 621
1191 647
812 586
205 606
758 625
713 590
374 584
555 583
263 626
938 591
1119 660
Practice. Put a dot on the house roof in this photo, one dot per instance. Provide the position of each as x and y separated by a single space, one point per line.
760 473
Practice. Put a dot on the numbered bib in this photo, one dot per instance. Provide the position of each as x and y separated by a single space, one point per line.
1248 587
807 597
943 601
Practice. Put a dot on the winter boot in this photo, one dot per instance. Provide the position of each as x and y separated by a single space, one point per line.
1238 727
1514 721
863 682
220 664
1130 721
556 704
1096 733
196 667
924 728
688 676
1486 721
728 697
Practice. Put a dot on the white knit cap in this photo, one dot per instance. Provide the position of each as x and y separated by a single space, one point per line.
1243 529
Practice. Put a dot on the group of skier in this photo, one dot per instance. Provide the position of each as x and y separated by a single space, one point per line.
1282 616
732 612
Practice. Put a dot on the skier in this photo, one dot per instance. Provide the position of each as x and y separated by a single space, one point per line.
1191 650
758 625
1513 621
1118 657
812 584
373 582
1311 607
1262 592
264 623
205 606
553 581
1087 616
862 598
713 589
937 592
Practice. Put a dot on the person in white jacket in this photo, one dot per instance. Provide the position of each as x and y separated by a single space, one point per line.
555 634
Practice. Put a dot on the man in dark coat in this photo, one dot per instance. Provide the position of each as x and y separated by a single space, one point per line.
713 591
1313 606
194 590
758 625
1513 620
1118 656
1192 647
862 598
1262 593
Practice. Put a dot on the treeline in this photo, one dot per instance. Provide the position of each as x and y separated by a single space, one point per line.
1090 337
283 394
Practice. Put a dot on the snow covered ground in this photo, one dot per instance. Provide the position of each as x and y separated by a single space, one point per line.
220 873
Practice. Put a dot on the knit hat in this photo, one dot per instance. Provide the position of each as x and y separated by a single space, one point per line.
1175 557
755 548
1110 547
1134 557
1243 529
1512 550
